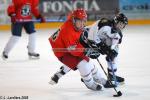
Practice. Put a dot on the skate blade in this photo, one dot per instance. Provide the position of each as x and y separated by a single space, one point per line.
33 58
52 82
121 83
118 83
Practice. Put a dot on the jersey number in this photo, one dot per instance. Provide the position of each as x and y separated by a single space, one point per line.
26 10
55 35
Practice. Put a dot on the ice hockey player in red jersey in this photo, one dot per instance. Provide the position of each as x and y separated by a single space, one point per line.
21 12
68 50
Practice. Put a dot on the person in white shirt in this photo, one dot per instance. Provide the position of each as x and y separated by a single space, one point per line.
106 34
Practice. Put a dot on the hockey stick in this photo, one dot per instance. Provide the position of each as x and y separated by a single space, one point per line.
118 92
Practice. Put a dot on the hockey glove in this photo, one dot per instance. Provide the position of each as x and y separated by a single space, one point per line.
111 55
103 48
13 19
42 19
94 54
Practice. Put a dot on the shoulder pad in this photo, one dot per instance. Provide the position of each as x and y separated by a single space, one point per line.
113 30
104 22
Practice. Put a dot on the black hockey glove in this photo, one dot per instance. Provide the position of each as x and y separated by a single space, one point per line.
111 55
92 44
91 53
103 48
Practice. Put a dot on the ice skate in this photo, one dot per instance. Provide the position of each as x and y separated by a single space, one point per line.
57 76
119 79
33 55
95 87
54 80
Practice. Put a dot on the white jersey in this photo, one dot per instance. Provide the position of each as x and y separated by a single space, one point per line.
104 34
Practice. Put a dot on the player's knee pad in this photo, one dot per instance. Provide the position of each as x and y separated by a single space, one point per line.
94 70
84 67
95 74
98 75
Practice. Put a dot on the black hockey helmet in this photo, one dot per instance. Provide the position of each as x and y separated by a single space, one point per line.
120 18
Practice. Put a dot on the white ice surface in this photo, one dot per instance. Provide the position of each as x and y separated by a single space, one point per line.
20 76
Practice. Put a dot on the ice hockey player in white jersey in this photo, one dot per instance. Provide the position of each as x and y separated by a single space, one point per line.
107 36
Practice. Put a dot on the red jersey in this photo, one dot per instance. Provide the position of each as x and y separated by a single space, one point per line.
66 40
23 9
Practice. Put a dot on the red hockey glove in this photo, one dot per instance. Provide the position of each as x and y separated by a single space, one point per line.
13 19
42 19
